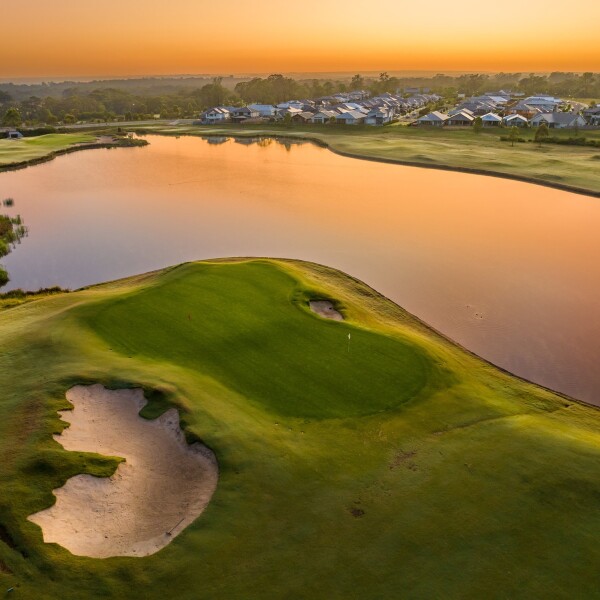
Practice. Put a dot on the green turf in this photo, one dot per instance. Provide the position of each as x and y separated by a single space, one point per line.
406 468
245 330
33 148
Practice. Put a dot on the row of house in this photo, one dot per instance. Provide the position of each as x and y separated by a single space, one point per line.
503 108
351 108
464 117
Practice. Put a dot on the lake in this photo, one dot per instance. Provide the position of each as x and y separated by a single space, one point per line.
508 269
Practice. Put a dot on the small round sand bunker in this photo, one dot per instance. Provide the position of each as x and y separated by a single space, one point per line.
162 487
324 308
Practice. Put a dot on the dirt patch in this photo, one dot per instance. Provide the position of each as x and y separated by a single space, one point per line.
324 308
161 488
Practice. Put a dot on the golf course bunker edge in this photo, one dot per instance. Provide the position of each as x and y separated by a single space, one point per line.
325 309
163 485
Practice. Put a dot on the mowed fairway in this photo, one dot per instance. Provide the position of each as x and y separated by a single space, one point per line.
398 466
33 148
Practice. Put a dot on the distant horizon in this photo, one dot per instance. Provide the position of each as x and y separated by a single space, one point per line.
401 73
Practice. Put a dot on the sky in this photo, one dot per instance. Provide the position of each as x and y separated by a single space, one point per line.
158 37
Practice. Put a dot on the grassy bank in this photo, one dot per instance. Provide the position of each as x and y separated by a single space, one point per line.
397 466
568 167
34 148
15 154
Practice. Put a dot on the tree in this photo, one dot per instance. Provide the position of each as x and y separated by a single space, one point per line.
5 97
513 135
12 118
357 82
542 134
70 119
477 125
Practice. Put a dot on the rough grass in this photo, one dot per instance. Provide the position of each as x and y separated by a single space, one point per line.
450 147
34 148
408 468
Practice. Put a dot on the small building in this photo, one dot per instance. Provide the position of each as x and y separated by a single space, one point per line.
324 116
433 119
302 117
515 120
351 117
461 118
491 120
379 116
592 115
14 135
558 120
244 113
264 110
215 115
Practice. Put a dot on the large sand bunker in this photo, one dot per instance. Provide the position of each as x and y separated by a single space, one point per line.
163 485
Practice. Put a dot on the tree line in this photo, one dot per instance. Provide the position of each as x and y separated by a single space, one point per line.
100 104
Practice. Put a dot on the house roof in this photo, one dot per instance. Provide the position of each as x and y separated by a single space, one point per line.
434 116
491 117
560 118
515 117
461 116
351 114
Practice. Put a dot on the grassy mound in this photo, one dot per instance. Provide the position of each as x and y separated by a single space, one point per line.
404 467
34 148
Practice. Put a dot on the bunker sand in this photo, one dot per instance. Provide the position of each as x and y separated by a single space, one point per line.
324 308
163 485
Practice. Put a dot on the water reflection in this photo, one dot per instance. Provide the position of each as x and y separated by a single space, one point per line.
12 231
510 270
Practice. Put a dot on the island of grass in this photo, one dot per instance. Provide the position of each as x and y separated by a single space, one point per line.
366 458
570 167
15 154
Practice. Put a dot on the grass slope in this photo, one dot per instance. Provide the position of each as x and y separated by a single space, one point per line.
404 468
35 148
574 167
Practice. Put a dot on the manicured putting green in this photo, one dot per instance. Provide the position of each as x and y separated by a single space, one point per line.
247 326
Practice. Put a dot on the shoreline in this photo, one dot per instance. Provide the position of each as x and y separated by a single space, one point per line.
32 162
393 161
308 264
314 140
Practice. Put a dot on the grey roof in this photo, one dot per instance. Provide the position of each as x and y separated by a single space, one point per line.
434 116
560 118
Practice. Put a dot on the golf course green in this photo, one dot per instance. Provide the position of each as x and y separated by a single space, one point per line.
368 458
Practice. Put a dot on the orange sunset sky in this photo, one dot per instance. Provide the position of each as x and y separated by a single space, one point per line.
158 37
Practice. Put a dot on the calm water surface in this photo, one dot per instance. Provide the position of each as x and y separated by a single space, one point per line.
509 270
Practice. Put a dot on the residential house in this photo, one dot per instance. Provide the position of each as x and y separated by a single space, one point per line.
456 110
267 111
218 114
558 120
491 120
460 118
324 116
303 117
544 103
592 115
515 120
244 113
351 117
379 116
433 119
